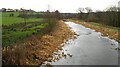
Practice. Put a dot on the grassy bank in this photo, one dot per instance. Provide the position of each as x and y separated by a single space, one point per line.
36 49
32 43
112 32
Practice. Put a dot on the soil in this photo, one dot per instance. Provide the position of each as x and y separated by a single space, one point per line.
36 49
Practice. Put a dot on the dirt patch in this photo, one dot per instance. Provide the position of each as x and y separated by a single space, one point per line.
35 49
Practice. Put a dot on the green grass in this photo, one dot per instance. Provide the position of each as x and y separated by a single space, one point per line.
0 18
12 34
14 29
39 26
13 37
7 20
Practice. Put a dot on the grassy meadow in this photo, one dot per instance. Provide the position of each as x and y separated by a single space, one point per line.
14 28
7 19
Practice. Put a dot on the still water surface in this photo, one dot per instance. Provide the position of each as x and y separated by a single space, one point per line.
89 48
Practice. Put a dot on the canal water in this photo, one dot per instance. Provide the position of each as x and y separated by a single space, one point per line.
89 48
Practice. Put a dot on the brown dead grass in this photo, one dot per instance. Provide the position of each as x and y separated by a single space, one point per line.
104 30
35 49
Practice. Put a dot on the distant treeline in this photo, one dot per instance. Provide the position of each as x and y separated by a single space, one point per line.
22 15
110 18
39 14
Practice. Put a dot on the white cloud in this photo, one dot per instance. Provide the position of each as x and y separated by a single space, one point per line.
61 5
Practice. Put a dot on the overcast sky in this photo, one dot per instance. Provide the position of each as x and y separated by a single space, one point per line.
61 5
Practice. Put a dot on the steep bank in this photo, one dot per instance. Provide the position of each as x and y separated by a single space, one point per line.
35 49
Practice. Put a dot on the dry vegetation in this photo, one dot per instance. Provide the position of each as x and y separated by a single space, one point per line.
104 30
35 49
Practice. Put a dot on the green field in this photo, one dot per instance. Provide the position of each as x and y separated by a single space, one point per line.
7 20
15 30
14 33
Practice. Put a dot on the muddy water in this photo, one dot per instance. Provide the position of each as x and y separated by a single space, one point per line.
89 48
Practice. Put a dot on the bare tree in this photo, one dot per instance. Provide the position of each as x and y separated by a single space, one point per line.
25 15
88 9
80 13
57 14
81 10
113 8
112 16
